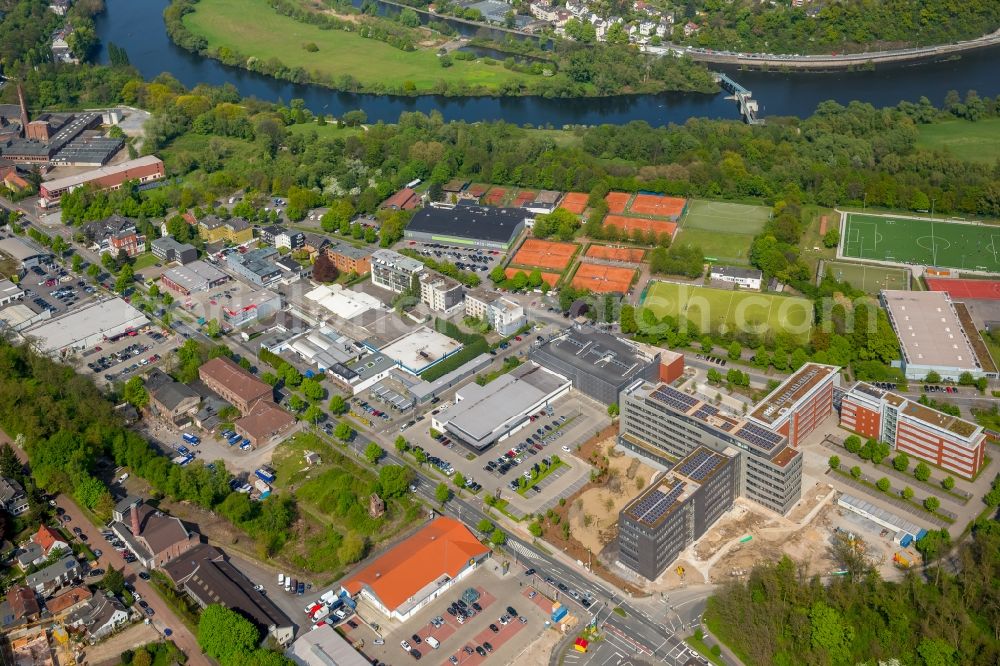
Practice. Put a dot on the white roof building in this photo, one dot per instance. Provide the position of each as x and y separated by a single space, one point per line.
344 303
87 326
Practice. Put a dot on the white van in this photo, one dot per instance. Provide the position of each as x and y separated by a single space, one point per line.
433 642
123 478
281 580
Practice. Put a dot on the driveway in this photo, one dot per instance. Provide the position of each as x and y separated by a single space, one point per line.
164 617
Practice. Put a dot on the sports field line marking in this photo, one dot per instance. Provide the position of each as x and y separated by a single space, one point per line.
993 246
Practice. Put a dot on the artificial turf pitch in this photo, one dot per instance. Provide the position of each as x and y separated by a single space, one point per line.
870 279
724 310
922 241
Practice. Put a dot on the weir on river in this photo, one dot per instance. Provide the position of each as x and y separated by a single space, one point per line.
748 106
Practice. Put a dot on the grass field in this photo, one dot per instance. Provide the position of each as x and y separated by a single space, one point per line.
870 279
971 141
922 241
729 248
252 28
722 310
723 231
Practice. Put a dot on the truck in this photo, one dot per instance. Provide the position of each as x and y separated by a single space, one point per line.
265 474
559 613
191 439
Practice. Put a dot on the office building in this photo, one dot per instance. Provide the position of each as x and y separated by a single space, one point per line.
955 444
256 266
600 364
470 225
504 315
676 510
797 406
393 271
170 250
440 293
933 336
247 307
664 424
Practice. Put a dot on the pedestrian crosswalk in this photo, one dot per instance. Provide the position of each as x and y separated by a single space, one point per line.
521 550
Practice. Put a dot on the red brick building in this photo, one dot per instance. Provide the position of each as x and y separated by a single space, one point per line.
143 169
954 444
234 384
350 259
800 403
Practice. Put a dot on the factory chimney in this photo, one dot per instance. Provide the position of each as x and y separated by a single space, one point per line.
24 110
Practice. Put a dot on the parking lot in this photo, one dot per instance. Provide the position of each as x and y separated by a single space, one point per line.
121 359
476 260
49 287
572 421
491 635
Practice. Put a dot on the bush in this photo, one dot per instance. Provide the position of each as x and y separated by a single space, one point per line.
883 484
922 472
901 462
948 483
853 443
834 462
932 503
907 493
856 472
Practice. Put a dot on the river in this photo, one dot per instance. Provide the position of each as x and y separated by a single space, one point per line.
137 26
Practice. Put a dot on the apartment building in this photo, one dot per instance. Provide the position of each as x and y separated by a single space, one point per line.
440 293
676 510
350 259
214 229
666 425
393 271
504 315
955 444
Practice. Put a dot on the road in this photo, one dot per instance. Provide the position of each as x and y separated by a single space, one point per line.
650 625
164 617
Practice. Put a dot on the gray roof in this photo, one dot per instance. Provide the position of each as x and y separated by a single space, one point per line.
171 394
324 647
54 571
9 489
348 250
594 352
22 248
733 271
478 222
483 410
170 243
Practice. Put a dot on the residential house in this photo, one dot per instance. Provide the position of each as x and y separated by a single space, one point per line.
49 540
269 233
748 278
690 28
168 398
154 537
60 7
264 421
543 11
349 258
30 554
405 199
13 499
393 271
235 230
504 315
208 577
234 384
23 602
61 52
291 239
114 235
99 616
291 269
68 601
170 250
314 244
60 573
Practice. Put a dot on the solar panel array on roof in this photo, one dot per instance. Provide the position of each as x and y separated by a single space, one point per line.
646 503
674 398
705 411
662 505
699 465
762 438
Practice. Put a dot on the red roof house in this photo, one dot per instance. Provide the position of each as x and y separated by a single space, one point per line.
405 199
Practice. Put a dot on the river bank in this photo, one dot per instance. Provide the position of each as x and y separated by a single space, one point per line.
376 55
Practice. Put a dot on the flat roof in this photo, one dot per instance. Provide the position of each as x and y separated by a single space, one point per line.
22 248
371 365
733 271
344 303
323 646
595 352
196 275
498 225
17 314
662 498
929 329
110 170
396 260
482 410
421 348
439 551
966 430
791 392
348 250
104 317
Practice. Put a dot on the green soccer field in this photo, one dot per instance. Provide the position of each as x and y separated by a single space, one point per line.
723 310
729 248
726 217
870 279
922 241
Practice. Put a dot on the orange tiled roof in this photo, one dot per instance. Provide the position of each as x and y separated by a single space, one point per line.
46 538
445 546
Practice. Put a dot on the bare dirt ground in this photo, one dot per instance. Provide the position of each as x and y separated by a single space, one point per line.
110 651
537 652
593 513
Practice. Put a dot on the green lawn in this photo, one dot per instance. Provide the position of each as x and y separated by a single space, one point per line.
562 138
253 28
730 248
922 241
870 279
971 141
722 310
725 217
144 260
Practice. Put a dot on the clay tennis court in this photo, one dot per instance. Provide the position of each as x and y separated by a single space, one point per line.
617 201
477 190
630 224
524 196
630 254
603 279
549 278
544 254
495 196
574 202
981 289
658 206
